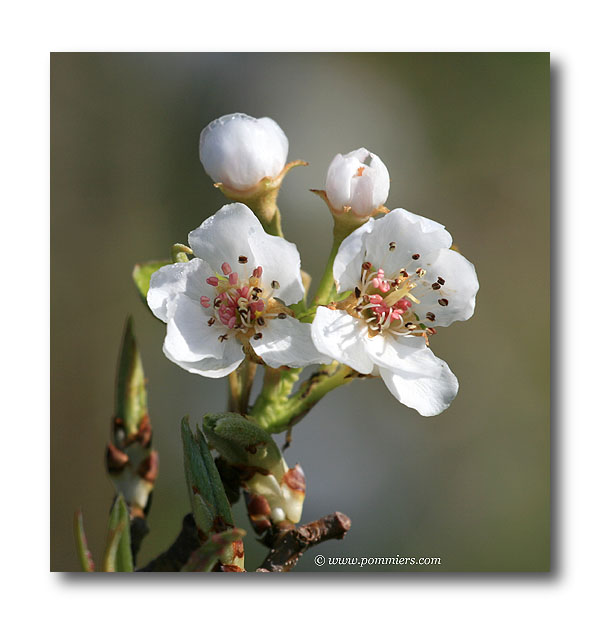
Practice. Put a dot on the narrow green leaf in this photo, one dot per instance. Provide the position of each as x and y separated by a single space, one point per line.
241 442
216 548
85 556
210 506
131 404
142 273
117 557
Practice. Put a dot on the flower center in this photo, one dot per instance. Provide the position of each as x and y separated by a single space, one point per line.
242 304
387 301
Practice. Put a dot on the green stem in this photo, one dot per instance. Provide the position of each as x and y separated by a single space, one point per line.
342 227
247 380
326 285
276 414
233 402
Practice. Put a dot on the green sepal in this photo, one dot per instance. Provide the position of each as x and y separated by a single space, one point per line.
217 547
131 400
179 253
210 507
117 557
241 442
142 273
85 556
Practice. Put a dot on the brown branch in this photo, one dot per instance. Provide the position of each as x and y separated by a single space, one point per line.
177 555
289 546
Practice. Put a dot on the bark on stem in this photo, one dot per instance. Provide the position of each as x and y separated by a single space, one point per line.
177 555
290 545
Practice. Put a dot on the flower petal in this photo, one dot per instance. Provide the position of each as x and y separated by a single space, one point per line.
411 233
193 345
287 342
414 375
342 337
234 232
223 237
460 286
214 367
172 279
189 337
338 184
350 257
280 261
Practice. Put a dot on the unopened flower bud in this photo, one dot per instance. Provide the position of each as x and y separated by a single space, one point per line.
238 151
358 181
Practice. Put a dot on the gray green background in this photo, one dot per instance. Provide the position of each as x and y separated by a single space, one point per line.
466 138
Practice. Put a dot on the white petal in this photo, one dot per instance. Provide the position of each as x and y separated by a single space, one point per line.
378 172
280 261
370 190
215 367
411 233
287 342
459 289
189 337
224 237
338 183
172 279
239 150
350 257
342 337
235 231
415 376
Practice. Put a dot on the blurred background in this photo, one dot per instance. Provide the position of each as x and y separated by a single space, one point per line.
466 138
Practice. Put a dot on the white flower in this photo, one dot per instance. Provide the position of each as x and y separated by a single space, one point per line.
353 182
404 280
239 151
232 296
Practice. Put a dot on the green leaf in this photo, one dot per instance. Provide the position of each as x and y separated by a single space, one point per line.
117 557
85 556
216 548
210 506
241 442
131 400
142 273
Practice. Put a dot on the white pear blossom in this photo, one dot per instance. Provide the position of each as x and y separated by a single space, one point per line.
404 280
232 297
239 151
358 180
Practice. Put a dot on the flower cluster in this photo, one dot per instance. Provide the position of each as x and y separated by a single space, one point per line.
393 280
